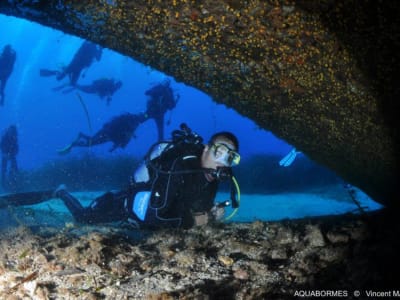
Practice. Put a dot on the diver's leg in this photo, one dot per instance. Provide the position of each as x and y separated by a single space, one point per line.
110 207
106 208
4 161
100 137
73 205
47 72
13 174
74 76
61 75
86 88
82 135
82 140
13 165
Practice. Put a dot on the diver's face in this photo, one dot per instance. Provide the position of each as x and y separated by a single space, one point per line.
218 154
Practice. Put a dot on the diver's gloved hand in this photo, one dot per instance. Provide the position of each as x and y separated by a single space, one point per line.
217 212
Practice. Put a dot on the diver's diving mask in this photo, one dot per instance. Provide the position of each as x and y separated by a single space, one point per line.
225 155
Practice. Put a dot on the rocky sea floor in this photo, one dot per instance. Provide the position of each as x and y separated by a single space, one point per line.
258 260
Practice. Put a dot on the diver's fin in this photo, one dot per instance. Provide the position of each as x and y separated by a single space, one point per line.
65 150
289 158
47 73
25 198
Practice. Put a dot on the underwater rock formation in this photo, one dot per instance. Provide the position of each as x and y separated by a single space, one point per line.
318 74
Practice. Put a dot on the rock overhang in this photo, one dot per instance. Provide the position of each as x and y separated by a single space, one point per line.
319 74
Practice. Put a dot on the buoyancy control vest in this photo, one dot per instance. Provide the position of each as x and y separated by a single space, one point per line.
159 174
167 165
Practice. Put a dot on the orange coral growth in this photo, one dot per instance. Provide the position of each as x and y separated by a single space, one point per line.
291 84
194 15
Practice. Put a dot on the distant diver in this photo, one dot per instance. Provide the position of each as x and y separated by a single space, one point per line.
288 159
82 59
104 88
7 61
160 100
9 150
119 131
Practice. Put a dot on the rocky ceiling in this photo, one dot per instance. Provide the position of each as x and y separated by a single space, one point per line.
319 74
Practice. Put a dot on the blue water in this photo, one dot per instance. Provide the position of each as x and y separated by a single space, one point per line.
48 120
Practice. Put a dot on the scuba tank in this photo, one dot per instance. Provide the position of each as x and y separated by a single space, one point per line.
184 136
142 173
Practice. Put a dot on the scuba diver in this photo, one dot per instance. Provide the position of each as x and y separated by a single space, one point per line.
175 187
104 88
9 150
160 100
119 131
7 61
82 59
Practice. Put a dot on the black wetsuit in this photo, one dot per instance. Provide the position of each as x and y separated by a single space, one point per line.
119 131
104 88
161 100
7 61
173 198
9 150
83 58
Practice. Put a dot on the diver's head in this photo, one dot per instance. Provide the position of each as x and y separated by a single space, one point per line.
221 151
